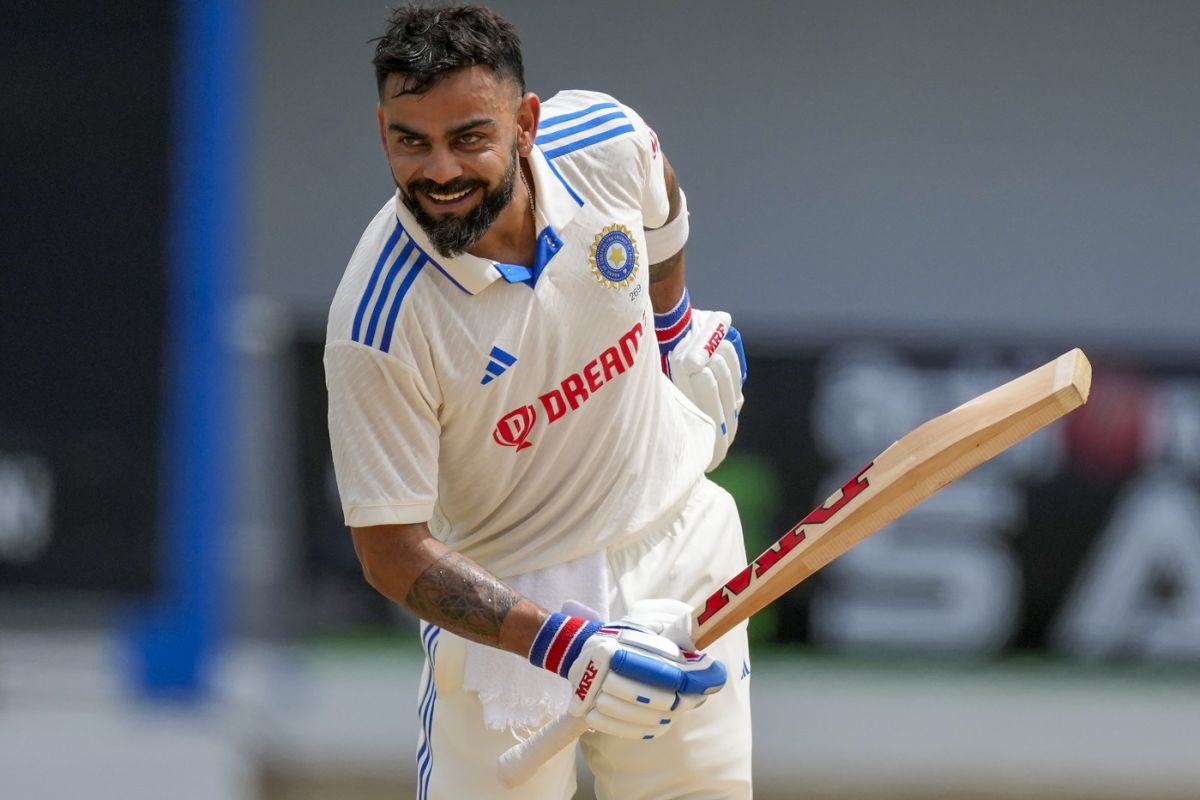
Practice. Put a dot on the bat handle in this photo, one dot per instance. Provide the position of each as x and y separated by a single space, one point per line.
518 763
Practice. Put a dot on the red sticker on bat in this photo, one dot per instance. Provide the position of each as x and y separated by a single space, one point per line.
786 543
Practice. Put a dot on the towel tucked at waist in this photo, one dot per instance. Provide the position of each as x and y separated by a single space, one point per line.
513 692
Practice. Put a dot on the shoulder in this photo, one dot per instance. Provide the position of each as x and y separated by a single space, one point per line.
377 283
371 245
577 122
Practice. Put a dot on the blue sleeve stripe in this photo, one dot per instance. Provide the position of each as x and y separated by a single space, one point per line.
586 125
552 121
366 298
582 143
386 344
386 289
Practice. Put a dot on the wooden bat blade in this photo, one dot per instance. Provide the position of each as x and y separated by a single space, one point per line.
914 467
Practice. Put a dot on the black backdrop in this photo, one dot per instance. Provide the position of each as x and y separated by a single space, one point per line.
86 100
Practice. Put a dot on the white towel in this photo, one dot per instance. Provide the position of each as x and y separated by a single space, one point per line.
514 693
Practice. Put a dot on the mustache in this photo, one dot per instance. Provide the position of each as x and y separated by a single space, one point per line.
457 185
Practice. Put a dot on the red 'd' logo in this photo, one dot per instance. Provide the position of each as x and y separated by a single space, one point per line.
514 427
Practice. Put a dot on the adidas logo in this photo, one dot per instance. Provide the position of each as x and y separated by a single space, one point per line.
745 669
498 362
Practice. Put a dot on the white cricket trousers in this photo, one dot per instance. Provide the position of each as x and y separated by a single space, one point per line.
706 754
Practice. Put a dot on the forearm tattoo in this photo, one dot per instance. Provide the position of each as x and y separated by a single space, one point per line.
454 593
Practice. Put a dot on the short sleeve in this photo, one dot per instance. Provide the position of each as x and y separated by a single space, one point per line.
656 204
383 429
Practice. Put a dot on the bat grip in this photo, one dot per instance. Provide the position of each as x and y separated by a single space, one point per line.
518 763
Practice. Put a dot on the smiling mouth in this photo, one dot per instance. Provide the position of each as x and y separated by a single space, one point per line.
447 198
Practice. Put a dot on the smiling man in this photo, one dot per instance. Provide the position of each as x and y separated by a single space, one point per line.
517 460
458 183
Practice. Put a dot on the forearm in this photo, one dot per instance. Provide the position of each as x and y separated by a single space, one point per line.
457 594
666 283
408 566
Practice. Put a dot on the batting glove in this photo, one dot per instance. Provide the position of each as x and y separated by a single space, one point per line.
670 619
627 681
702 354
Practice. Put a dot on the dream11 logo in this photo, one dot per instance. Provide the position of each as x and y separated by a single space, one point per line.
514 428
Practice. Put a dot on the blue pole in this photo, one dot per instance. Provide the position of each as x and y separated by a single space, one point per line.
175 640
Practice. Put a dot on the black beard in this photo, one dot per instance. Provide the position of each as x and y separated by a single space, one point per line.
452 235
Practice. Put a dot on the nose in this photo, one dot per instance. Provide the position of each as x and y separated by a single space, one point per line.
441 166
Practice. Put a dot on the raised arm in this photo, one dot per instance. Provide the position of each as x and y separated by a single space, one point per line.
701 351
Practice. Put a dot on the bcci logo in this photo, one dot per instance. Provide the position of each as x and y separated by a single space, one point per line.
514 428
614 256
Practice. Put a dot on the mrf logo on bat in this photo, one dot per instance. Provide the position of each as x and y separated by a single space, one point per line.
788 542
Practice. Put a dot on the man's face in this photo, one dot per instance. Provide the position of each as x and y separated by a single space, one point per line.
453 152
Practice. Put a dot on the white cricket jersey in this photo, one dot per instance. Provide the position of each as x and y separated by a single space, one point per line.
521 412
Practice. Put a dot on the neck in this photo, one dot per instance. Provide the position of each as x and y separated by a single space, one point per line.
512 238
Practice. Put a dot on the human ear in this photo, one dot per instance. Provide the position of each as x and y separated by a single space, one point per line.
528 114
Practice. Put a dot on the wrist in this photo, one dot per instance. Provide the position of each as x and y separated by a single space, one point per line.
521 626
559 641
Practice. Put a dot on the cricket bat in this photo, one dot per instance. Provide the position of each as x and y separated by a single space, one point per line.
913 468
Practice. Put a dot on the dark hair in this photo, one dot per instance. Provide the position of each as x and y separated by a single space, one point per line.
425 44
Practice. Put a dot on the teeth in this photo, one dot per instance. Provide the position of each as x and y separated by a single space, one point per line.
444 198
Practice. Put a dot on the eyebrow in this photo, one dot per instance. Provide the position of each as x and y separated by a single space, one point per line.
479 122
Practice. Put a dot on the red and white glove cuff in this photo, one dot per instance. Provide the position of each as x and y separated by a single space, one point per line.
559 641
672 326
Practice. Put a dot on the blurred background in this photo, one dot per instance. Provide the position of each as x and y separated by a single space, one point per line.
902 204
